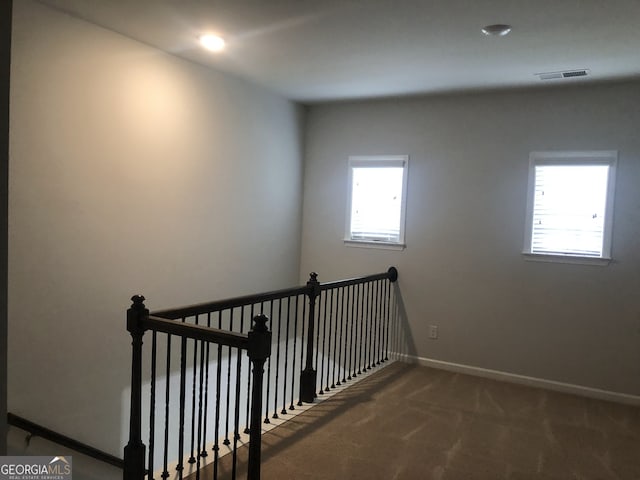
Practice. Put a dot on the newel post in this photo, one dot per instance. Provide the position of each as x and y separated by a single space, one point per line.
308 376
259 349
134 452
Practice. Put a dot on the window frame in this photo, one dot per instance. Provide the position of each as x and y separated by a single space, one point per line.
572 158
379 161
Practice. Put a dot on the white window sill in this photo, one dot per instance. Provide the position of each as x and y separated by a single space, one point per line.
374 244
571 259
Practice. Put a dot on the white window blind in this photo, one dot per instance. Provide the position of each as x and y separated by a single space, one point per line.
569 209
570 204
376 194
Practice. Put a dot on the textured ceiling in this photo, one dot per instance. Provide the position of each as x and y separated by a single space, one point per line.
330 50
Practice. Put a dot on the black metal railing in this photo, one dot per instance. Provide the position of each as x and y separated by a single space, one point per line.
203 398
355 319
256 343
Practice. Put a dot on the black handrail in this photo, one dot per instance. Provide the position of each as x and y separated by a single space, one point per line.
218 305
36 430
195 332
391 275
229 303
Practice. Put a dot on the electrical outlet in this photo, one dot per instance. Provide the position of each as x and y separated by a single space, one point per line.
433 332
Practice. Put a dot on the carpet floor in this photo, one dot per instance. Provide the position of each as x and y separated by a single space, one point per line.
407 422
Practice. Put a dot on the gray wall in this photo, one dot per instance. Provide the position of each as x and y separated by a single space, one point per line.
132 171
463 269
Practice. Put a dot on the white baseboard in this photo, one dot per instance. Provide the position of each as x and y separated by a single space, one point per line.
583 391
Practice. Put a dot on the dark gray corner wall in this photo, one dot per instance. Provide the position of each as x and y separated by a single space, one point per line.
5 60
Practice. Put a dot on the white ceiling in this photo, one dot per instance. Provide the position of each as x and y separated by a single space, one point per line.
320 50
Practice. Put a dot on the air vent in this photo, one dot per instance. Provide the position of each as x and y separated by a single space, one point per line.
575 73
566 74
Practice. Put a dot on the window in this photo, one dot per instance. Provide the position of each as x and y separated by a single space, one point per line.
570 206
376 201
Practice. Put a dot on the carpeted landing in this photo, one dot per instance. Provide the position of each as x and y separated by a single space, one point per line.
412 423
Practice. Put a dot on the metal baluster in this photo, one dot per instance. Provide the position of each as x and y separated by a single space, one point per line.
226 440
165 471
152 404
382 324
367 312
343 329
376 325
183 374
236 421
372 340
372 320
324 338
390 323
339 362
286 360
352 292
335 341
371 325
330 336
200 412
295 343
396 324
247 429
203 452
304 317
275 400
386 320
398 321
216 444
360 326
361 335
239 370
347 354
192 458
377 318
266 402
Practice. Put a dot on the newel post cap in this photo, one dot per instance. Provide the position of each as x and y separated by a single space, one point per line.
136 312
260 323
138 302
393 274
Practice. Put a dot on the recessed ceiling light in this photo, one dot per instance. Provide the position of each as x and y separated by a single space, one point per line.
497 30
212 42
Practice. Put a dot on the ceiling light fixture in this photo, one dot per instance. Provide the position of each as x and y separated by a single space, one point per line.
212 42
497 30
